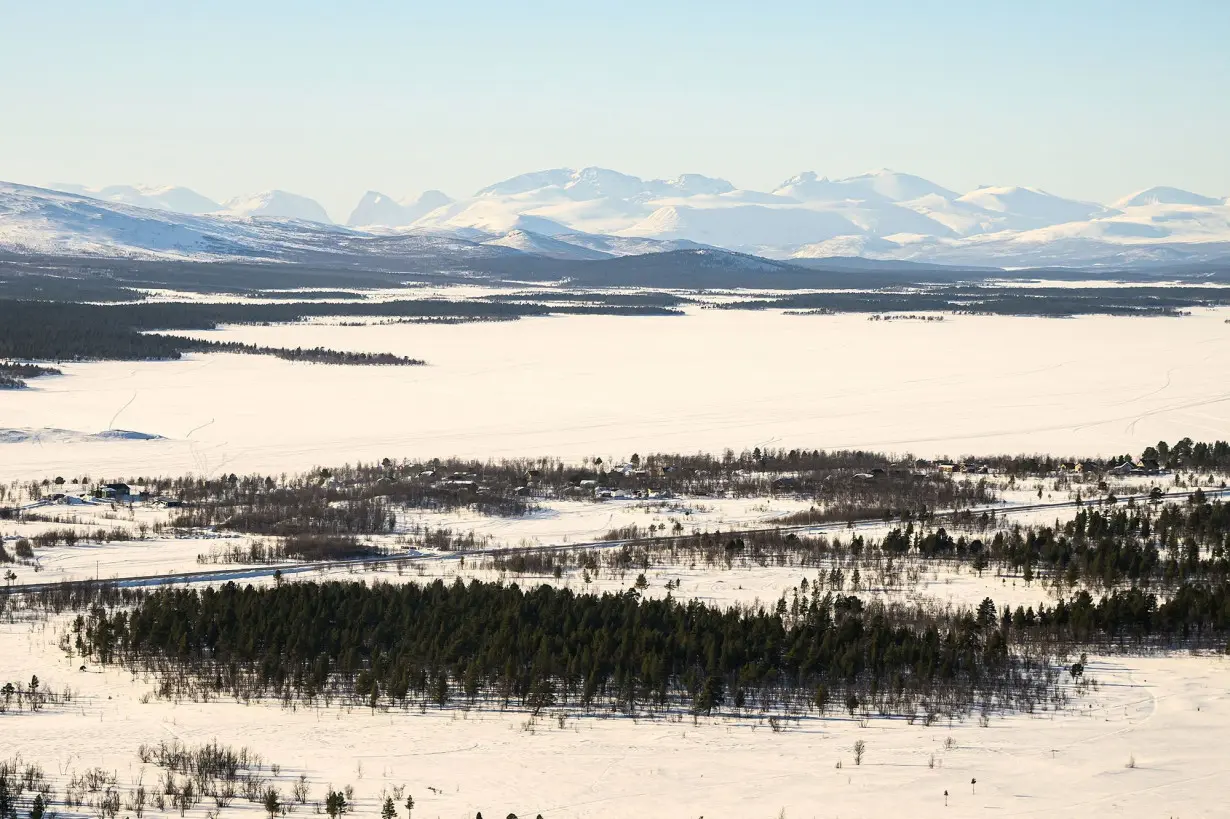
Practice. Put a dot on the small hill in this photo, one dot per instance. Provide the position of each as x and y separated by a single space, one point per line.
539 245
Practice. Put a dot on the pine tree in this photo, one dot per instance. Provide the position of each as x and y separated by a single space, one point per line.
335 804
822 698
389 811
272 802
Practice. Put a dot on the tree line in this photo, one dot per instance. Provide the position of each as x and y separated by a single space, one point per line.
496 645
1188 454
64 331
988 299
1141 544
13 374
363 499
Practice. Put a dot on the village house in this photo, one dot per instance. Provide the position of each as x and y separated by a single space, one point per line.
115 491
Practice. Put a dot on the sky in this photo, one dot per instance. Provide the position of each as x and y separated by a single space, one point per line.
1087 99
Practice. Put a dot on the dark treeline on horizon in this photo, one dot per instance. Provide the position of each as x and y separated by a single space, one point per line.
59 331
998 300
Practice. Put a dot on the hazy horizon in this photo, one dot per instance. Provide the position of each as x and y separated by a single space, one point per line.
1090 101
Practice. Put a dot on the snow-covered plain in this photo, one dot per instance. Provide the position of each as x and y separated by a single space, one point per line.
1147 741
583 386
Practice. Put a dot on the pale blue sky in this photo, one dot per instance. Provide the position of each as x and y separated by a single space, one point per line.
1086 99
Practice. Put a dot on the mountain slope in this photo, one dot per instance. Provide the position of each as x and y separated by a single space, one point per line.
172 198
539 245
41 221
36 220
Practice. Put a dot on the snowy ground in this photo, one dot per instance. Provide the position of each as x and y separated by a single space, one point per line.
1167 715
602 385
563 522
585 386
1170 715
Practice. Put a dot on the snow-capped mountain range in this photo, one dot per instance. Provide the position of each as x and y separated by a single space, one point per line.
595 213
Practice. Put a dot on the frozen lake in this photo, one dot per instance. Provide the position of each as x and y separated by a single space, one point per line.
596 385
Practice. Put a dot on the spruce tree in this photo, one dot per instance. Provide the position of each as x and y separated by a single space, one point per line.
272 802
335 804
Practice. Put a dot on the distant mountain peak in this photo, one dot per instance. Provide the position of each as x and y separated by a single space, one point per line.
880 184
1165 195
375 209
277 204
525 182
693 184
801 178
597 183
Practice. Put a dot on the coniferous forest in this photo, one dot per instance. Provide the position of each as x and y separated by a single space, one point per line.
403 645
499 645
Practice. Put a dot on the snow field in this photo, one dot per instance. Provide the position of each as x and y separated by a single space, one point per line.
578 387
1167 714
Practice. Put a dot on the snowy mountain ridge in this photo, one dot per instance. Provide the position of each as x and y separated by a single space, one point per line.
882 214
